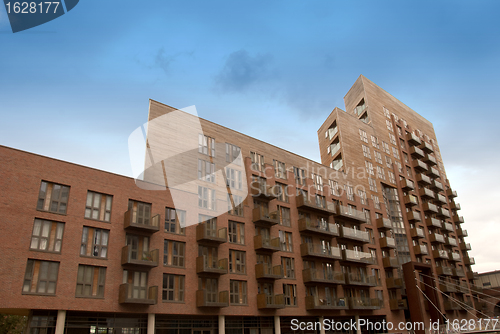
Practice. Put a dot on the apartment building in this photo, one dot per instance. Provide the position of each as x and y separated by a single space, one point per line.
87 251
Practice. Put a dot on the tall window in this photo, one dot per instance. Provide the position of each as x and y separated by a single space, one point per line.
300 176
392 138
175 221
279 169
282 192
41 277
235 205
94 242
392 178
90 281
233 154
388 161
53 197
47 236
366 151
376 201
233 178
363 136
369 168
373 184
137 283
206 198
237 262
206 145
288 265
290 294
98 206
238 292
375 142
350 193
257 161
206 171
284 216
380 173
378 157
395 152
236 232
334 187
386 147
318 182
173 253
173 288
362 196
141 212
286 241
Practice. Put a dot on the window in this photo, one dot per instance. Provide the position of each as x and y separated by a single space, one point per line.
236 232
257 161
378 157
386 112
408 171
90 281
238 292
332 131
375 142
206 171
318 182
388 161
286 241
233 154
237 262
279 169
402 144
320 201
290 294
300 176
392 178
376 201
395 152
284 218
41 277
235 205
334 187
233 178
288 265
392 139
53 197
206 145
206 198
386 147
141 212
389 125
94 242
350 193
373 184
366 151
137 283
173 288
369 168
282 192
98 206
47 236
363 136
380 173
400 168
173 253
362 196
175 221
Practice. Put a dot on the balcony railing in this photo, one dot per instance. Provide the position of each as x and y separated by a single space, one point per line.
433 172
465 246
356 256
416 152
366 280
205 265
384 223
436 238
420 249
462 233
265 301
387 242
311 275
458 220
354 234
448 227
441 199
268 271
472 275
136 258
410 200
398 304
419 166
451 241
393 283
430 160
205 298
263 243
458 272
364 303
445 271
429 207
437 185
440 254
315 303
304 203
447 287
263 191
426 193
306 225
318 250
127 294
451 305
424 179
204 233
455 257
263 217
413 216
433 222
417 233
451 193
390 262
426 147
455 206
350 213
130 223
442 212
412 139
469 260
407 184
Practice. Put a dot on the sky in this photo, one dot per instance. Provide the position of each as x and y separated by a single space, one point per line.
76 87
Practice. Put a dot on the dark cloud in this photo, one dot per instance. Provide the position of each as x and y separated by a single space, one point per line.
242 70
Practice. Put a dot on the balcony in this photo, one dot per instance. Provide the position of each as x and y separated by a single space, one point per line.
462 288
384 223
350 213
451 305
387 242
429 207
441 199
416 152
458 220
410 200
262 243
451 242
212 299
448 227
455 257
364 303
327 229
433 222
473 288
398 304
357 256
444 271
148 225
317 250
128 295
455 206
413 216
423 179
135 258
390 262
437 186
462 233
433 173
417 233
263 191
451 193
407 184
315 303
430 160
353 234
267 271
263 217
471 275
305 203
469 260
351 279
394 283
465 246
426 193
204 265
442 212
440 254
412 139
458 272
447 287
420 250
265 301
419 166
311 275
204 233
436 238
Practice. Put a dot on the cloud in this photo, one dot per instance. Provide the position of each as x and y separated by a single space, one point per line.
242 71
163 61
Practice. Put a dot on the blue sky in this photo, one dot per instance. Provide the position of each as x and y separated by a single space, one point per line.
76 87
